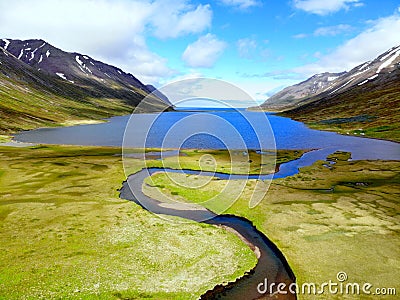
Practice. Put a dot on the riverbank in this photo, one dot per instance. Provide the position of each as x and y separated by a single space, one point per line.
271 262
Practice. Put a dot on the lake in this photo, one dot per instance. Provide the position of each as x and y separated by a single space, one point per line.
213 129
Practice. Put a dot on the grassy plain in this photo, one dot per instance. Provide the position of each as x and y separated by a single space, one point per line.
329 218
65 234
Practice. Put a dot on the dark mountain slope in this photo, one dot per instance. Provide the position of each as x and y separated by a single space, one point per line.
363 101
370 107
43 90
334 83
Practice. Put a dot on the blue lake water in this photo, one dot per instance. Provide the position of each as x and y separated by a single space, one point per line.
214 129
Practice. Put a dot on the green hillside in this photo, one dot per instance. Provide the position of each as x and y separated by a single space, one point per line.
370 110
30 98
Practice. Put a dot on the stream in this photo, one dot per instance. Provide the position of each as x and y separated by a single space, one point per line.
271 262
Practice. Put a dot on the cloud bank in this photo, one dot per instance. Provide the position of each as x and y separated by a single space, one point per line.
325 7
204 52
381 36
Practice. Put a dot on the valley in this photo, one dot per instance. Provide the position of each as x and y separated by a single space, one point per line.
176 202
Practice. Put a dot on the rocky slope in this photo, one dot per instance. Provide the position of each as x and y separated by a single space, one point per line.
332 84
296 93
41 85
364 101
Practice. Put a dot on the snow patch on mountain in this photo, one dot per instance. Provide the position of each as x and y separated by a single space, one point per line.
7 43
359 73
20 54
388 62
391 51
364 65
365 81
33 54
62 76
78 60
339 88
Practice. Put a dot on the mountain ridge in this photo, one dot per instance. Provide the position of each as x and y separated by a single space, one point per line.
334 83
41 85
364 101
70 66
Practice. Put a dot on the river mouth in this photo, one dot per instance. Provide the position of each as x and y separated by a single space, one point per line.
272 265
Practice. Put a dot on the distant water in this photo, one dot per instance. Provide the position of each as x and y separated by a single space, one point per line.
213 129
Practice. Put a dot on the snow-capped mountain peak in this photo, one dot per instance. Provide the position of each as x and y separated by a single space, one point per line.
333 83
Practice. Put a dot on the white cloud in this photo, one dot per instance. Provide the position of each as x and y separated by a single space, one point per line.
251 49
381 36
324 7
246 47
112 31
300 36
325 31
204 52
332 30
175 18
146 65
241 4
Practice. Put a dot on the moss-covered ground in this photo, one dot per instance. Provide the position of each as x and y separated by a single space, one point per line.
329 218
65 234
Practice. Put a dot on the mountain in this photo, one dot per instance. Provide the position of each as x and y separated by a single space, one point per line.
41 85
296 93
334 83
364 101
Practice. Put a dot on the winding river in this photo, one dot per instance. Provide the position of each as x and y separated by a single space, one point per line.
271 262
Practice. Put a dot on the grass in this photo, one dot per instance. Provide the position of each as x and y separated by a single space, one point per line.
5 138
23 107
65 234
324 220
223 161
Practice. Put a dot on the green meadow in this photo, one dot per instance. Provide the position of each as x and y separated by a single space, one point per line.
65 234
327 219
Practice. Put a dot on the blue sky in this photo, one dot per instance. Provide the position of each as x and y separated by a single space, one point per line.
260 46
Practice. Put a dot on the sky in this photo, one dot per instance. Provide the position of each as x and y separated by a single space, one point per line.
259 46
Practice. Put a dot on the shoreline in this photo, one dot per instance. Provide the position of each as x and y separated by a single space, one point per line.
280 113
